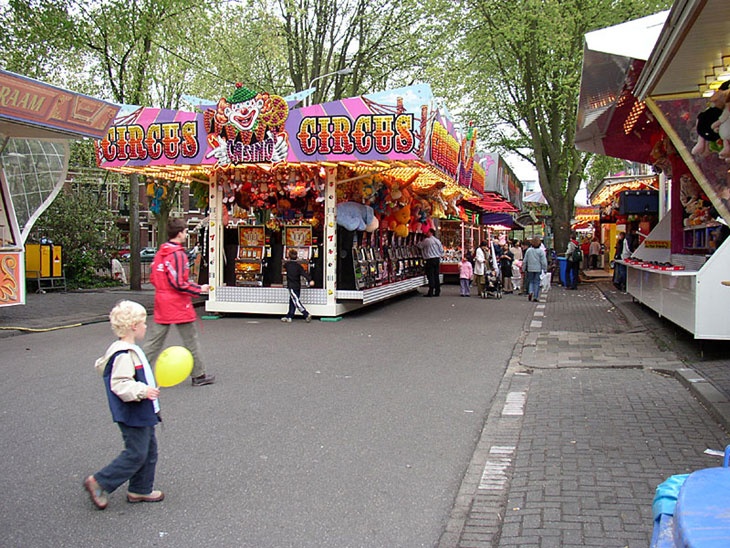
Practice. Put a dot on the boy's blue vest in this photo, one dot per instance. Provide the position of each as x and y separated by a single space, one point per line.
133 413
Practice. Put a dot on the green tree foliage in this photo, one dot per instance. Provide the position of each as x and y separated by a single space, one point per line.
82 223
375 38
518 67
601 167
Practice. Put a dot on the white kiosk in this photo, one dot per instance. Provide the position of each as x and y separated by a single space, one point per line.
36 122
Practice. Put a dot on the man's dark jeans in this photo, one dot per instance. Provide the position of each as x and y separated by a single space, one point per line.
432 274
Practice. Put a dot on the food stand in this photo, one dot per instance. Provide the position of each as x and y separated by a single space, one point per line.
654 112
353 185
36 122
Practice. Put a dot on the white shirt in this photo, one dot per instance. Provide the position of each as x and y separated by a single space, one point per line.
479 262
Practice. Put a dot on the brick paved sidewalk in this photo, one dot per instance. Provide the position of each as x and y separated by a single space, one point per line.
58 309
587 422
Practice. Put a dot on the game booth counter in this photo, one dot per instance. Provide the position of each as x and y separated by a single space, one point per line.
654 93
37 121
352 186
499 198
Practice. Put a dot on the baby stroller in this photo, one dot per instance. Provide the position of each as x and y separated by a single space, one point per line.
493 286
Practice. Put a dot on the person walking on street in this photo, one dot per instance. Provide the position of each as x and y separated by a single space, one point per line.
465 274
516 250
174 300
480 268
593 252
534 264
574 255
132 395
505 267
432 251
294 274
623 252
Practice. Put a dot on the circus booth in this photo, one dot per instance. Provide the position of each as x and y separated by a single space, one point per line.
351 185
36 123
655 93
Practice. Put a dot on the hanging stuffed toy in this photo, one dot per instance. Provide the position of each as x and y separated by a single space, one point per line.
722 126
705 134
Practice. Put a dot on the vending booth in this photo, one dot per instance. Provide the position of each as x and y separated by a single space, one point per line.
352 186
37 121
652 92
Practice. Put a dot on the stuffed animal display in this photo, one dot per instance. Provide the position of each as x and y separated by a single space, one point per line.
356 216
713 124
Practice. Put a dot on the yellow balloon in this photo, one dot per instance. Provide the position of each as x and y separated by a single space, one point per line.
173 366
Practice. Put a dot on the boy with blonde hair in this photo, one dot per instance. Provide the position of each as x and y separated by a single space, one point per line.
132 395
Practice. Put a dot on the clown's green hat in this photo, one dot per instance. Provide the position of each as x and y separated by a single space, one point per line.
241 94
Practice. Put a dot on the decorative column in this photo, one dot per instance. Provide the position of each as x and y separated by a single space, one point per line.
215 236
330 235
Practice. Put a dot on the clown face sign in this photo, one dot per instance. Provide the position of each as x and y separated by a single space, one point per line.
248 127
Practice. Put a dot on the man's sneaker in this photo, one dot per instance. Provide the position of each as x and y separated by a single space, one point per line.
97 494
202 380
286 319
308 319
154 496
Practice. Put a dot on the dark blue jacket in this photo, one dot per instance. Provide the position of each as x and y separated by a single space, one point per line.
134 413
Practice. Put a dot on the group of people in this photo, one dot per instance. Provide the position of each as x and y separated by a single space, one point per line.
514 266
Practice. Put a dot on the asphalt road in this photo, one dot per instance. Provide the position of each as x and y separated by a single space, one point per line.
331 434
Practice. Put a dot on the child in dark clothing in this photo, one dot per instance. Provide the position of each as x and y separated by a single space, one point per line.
294 272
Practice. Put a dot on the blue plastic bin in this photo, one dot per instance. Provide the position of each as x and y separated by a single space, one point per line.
563 263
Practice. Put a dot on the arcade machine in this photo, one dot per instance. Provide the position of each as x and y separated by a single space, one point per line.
299 237
381 276
252 255
361 262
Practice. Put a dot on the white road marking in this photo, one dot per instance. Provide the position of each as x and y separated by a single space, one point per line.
515 404
494 475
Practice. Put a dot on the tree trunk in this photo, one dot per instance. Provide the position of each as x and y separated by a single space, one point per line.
561 228
135 271
162 219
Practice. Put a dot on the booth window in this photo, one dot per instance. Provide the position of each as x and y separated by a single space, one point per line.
6 234
33 170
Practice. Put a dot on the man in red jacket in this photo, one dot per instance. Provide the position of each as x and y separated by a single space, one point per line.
174 300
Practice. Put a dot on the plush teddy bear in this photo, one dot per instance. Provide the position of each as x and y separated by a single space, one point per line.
402 218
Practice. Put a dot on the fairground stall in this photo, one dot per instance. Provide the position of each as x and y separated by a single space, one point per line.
36 123
498 192
352 186
654 112
619 203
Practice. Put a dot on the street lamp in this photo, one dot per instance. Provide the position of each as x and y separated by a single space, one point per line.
343 71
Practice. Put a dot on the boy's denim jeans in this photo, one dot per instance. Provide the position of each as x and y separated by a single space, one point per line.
136 463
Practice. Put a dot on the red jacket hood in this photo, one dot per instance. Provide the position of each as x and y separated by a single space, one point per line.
168 248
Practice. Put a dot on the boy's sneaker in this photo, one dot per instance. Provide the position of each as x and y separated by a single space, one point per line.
308 319
154 496
202 380
286 319
97 494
